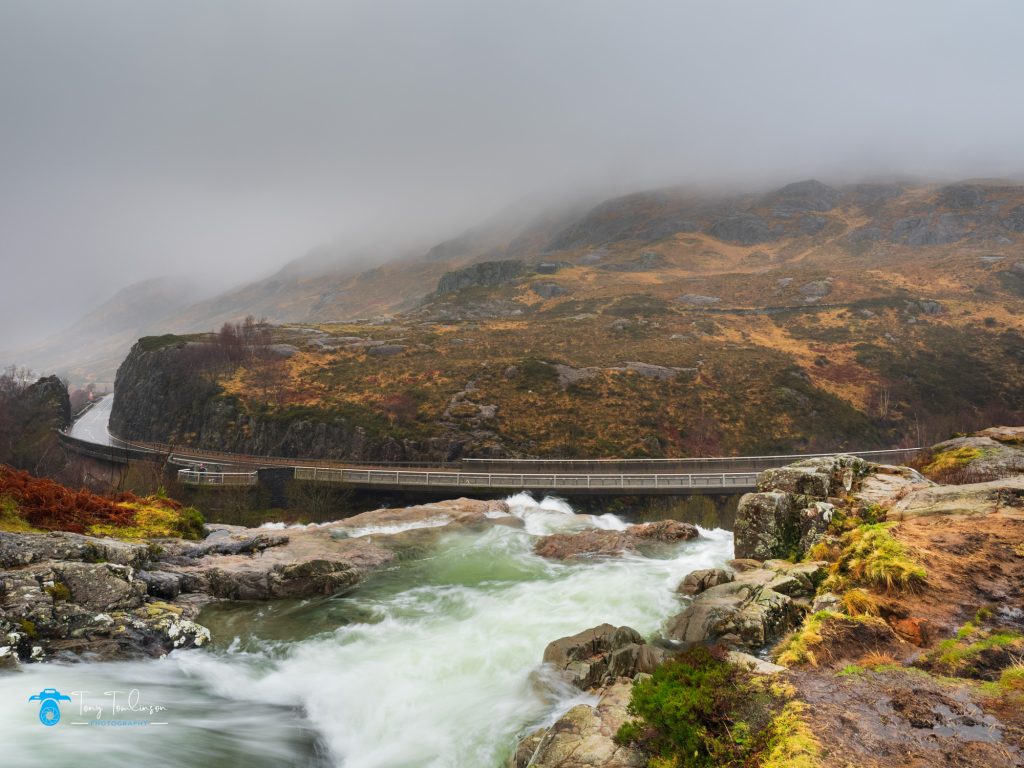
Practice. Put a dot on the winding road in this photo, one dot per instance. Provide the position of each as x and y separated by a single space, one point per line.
90 436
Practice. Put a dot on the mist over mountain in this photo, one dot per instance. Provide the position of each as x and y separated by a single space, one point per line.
141 139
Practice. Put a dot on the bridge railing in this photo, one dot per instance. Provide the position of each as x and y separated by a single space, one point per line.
526 481
676 466
195 477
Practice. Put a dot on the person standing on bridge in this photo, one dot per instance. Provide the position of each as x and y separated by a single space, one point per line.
201 468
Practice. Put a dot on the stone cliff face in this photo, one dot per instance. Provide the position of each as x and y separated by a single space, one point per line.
486 273
167 393
28 418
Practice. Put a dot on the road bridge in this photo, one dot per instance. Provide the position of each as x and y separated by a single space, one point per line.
199 467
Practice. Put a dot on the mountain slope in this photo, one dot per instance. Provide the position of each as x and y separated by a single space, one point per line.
659 324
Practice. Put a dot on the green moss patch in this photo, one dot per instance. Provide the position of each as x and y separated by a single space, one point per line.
872 557
699 711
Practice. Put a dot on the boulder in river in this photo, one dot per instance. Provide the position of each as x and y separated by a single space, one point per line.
595 542
752 610
596 656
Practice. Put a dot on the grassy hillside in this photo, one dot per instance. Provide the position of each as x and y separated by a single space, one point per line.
664 324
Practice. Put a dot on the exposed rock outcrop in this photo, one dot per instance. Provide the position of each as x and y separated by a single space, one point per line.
603 660
790 513
65 595
703 580
485 273
584 737
161 397
594 542
753 609
593 657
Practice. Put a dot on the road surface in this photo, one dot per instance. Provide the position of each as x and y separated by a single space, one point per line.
92 427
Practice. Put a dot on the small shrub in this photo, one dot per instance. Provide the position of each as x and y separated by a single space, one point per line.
699 711
875 659
59 592
799 647
872 556
858 602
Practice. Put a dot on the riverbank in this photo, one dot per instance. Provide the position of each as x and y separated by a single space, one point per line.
433 650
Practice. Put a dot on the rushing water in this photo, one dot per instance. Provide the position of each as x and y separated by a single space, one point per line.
433 663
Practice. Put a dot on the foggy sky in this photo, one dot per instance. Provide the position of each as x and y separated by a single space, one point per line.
226 137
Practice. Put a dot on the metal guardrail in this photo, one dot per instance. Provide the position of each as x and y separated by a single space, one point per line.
195 477
688 465
524 481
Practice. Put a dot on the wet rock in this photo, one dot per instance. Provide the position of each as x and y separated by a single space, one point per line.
162 584
828 601
526 749
818 477
982 458
584 658
753 664
914 630
91 609
457 512
764 525
788 515
584 736
968 499
600 543
747 608
102 586
886 483
698 581
753 609
23 549
1008 435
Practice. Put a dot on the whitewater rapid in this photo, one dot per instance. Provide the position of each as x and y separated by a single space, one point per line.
435 663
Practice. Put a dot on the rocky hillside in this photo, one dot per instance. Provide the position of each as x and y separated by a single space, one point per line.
661 324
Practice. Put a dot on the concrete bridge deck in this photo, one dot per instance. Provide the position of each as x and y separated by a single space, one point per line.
728 474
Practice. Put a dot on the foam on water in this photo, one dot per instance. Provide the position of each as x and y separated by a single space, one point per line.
435 664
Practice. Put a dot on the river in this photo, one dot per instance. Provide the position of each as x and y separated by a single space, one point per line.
434 663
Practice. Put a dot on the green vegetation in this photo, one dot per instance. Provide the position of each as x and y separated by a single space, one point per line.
873 557
945 465
11 519
821 633
155 521
792 744
799 648
154 343
858 602
59 592
975 652
699 711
